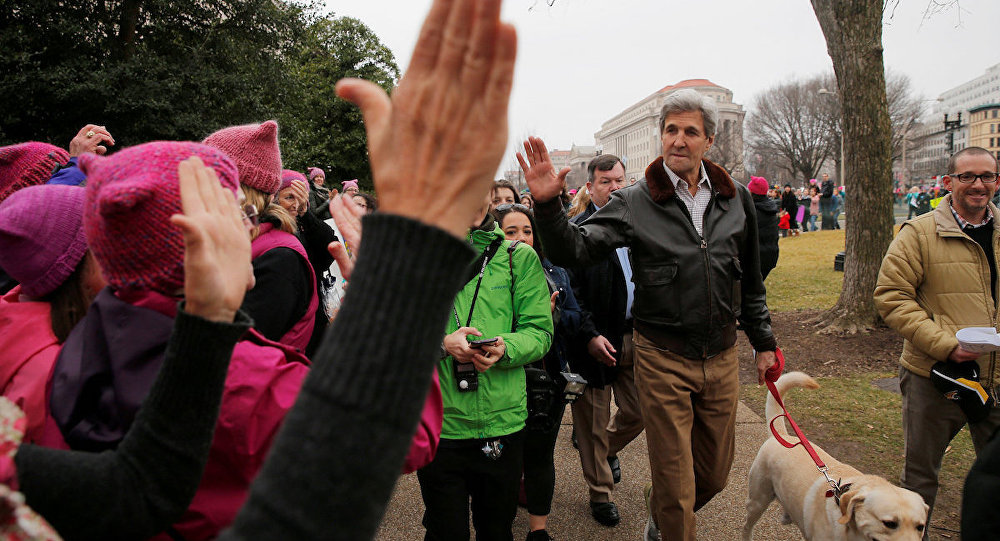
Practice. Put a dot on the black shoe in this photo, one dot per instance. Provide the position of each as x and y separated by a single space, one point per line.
605 512
539 535
616 469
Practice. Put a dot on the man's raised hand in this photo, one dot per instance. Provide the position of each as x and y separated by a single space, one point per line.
543 181
435 146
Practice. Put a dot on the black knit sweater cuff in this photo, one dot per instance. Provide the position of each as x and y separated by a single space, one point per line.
196 361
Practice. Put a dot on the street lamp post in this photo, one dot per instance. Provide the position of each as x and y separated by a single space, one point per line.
843 163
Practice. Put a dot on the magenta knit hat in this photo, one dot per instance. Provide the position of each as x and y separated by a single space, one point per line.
254 148
41 236
28 164
287 176
130 198
758 185
352 182
315 172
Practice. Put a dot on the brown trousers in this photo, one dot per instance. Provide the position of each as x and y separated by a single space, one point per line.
689 406
598 434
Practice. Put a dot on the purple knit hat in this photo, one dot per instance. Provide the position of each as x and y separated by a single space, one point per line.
287 176
254 148
28 164
130 198
315 172
41 236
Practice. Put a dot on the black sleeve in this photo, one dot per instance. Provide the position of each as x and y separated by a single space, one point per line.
336 459
146 484
316 236
281 295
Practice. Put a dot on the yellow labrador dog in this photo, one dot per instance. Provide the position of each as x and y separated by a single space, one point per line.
872 509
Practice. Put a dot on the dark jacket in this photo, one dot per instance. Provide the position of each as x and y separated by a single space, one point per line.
600 290
568 325
690 290
789 203
319 199
767 232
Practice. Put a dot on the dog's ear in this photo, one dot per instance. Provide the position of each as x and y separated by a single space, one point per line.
848 502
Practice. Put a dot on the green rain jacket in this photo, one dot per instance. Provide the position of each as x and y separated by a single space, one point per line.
499 406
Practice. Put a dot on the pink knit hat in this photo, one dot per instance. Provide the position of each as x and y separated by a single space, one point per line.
350 183
41 236
254 148
28 164
130 198
315 172
758 185
287 176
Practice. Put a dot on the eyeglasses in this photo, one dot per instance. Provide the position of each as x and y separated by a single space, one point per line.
249 213
969 178
507 206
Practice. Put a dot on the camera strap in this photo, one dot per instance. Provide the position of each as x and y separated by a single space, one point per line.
484 259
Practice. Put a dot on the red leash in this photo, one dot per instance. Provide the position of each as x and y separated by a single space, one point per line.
772 376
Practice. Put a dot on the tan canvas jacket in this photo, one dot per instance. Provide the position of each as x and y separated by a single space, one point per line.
935 280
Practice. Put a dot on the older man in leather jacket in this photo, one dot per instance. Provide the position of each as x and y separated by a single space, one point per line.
692 232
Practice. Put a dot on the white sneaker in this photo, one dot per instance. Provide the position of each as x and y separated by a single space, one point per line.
978 339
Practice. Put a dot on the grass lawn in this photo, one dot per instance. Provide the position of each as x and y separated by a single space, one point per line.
804 277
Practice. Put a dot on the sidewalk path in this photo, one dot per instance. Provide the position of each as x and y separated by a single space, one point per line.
722 519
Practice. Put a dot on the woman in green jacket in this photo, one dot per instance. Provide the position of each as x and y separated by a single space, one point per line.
482 386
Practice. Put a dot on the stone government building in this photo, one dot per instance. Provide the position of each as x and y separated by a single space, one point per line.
634 134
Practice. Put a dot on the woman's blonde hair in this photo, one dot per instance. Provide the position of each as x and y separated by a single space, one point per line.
580 202
266 207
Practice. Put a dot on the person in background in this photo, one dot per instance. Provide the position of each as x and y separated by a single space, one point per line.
366 201
581 202
90 138
814 201
23 165
939 275
480 455
138 489
315 235
319 194
602 353
790 204
767 224
283 304
43 246
108 363
503 193
838 205
526 200
540 441
350 187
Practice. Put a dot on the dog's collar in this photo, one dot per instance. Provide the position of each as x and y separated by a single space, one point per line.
836 493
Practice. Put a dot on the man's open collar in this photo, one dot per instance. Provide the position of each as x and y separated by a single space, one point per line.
662 189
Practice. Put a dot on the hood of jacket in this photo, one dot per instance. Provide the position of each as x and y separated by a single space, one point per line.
27 331
105 370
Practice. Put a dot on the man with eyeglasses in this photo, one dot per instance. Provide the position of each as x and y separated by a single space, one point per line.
933 282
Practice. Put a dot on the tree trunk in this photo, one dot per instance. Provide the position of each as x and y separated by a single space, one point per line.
853 32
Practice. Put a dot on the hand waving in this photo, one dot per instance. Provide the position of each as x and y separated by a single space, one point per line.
217 270
347 214
436 144
539 173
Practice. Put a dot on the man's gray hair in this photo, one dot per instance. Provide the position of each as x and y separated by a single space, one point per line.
687 100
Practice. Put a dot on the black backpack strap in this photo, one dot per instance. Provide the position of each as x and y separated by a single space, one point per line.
510 264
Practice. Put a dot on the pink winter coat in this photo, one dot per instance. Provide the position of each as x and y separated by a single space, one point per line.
28 351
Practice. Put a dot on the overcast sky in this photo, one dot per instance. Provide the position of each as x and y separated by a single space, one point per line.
580 62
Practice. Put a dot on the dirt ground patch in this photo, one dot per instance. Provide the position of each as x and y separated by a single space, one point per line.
849 356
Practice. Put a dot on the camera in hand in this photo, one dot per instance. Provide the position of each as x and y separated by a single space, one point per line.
466 377
573 387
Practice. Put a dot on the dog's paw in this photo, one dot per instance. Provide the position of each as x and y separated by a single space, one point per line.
785 519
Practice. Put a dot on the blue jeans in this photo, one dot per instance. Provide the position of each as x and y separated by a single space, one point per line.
812 222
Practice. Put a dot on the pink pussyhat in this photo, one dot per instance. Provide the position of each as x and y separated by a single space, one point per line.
130 198
287 176
254 148
757 185
41 236
315 172
28 164
348 183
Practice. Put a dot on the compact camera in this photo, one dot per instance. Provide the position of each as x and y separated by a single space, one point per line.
466 377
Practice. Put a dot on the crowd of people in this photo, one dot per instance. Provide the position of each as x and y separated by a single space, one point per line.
196 343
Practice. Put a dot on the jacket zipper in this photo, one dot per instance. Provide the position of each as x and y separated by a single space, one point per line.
708 280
